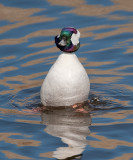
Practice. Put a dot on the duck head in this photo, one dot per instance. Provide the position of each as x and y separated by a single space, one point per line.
68 40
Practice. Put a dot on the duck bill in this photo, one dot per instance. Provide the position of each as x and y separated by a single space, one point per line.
62 43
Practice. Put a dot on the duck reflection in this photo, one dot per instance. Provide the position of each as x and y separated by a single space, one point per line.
71 126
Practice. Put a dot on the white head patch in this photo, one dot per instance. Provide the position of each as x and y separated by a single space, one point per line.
75 38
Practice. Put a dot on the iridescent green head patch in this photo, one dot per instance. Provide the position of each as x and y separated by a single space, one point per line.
68 40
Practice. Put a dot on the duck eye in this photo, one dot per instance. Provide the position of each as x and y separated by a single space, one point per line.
64 37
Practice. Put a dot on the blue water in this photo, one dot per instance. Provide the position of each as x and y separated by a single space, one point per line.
27 51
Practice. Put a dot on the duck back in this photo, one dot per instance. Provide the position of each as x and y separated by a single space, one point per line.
66 83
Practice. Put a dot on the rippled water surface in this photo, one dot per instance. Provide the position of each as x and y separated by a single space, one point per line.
27 51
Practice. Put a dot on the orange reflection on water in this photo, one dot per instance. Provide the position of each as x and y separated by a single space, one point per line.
81 8
38 61
18 142
47 154
125 86
6 69
49 50
47 32
95 64
8 57
12 41
42 44
118 29
126 44
28 121
26 82
104 80
115 71
124 28
103 49
106 143
122 102
116 115
21 17
13 14
74 3
17 112
129 50
113 123
125 156
12 155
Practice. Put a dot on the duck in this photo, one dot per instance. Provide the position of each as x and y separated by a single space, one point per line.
67 82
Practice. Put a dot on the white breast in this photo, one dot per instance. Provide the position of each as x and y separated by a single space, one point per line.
66 83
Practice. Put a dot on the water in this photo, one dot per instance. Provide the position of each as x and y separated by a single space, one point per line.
27 51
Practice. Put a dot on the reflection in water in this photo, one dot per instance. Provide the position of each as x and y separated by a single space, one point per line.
71 127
